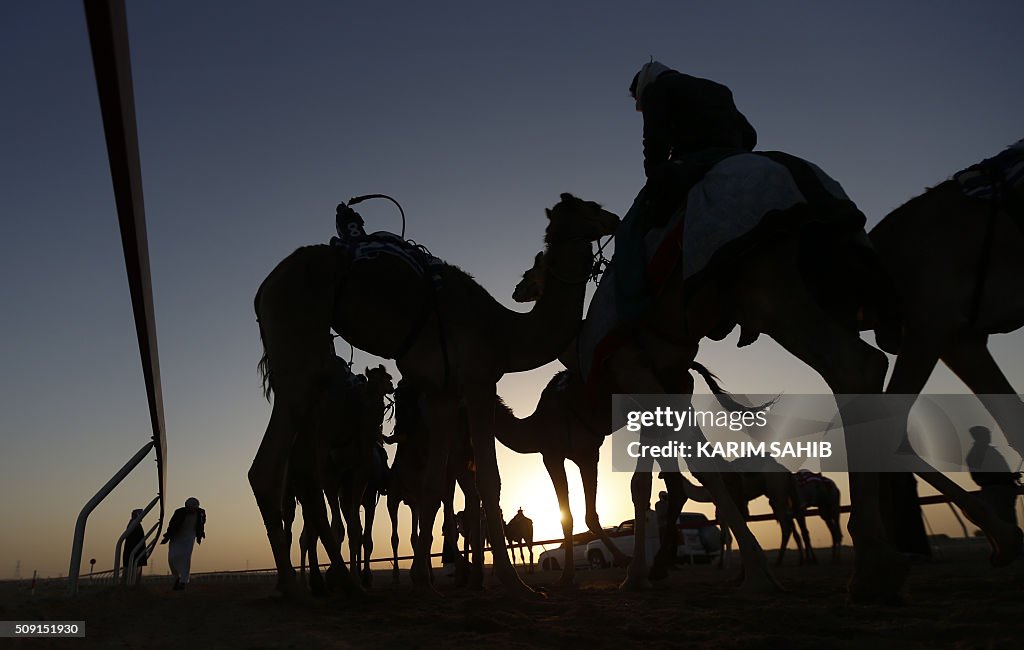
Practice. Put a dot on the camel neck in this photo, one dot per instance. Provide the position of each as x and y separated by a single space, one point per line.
521 435
540 335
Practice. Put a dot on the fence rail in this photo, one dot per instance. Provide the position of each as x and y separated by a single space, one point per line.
106 577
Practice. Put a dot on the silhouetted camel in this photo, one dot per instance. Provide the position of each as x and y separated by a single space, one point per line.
338 459
519 530
444 331
568 424
804 284
821 492
956 264
783 499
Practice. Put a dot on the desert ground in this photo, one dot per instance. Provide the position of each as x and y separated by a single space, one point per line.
955 601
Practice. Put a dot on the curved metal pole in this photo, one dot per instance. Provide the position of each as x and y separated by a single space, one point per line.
83 517
107 25
120 540
131 570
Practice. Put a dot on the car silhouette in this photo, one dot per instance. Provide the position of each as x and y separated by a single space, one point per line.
698 540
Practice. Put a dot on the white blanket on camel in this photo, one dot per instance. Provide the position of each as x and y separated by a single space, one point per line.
728 202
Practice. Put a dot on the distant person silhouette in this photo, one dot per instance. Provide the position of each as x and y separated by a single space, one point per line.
132 540
187 527
992 474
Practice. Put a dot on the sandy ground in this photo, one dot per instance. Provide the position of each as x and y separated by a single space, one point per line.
957 601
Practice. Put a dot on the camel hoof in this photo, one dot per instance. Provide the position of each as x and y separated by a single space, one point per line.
658 572
879 578
367 579
286 582
566 581
340 579
760 583
1007 547
635 583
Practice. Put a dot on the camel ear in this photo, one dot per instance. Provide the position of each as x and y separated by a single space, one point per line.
367 371
547 211
538 259
565 196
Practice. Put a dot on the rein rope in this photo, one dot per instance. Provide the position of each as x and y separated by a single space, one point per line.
597 268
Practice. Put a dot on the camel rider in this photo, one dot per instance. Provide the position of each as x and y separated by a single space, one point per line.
689 125
348 223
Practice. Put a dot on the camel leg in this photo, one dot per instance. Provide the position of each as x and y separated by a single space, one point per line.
556 470
369 510
801 522
785 526
337 575
303 550
633 376
668 539
830 514
350 510
1006 539
850 367
723 556
317 586
588 475
267 478
480 410
474 532
440 421
971 360
337 519
393 503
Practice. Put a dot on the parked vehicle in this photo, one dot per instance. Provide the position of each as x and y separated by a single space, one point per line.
551 559
699 540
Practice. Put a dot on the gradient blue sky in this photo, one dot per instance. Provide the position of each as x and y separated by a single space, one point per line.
257 118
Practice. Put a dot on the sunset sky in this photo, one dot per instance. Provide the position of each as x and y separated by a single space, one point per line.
257 118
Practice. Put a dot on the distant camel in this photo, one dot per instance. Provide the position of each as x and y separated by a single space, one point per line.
357 482
444 331
413 438
783 499
337 462
956 263
519 530
821 492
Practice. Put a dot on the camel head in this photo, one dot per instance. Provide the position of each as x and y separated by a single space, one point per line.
531 286
574 218
379 380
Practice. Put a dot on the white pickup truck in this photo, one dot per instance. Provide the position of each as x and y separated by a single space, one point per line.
699 540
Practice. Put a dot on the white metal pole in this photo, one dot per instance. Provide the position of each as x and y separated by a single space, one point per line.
83 517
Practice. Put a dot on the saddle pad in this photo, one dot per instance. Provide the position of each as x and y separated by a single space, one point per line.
729 202
986 179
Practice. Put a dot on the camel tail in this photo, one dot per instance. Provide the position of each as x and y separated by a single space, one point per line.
264 365
725 398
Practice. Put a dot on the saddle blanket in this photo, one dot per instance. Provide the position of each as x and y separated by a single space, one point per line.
387 243
728 202
987 179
